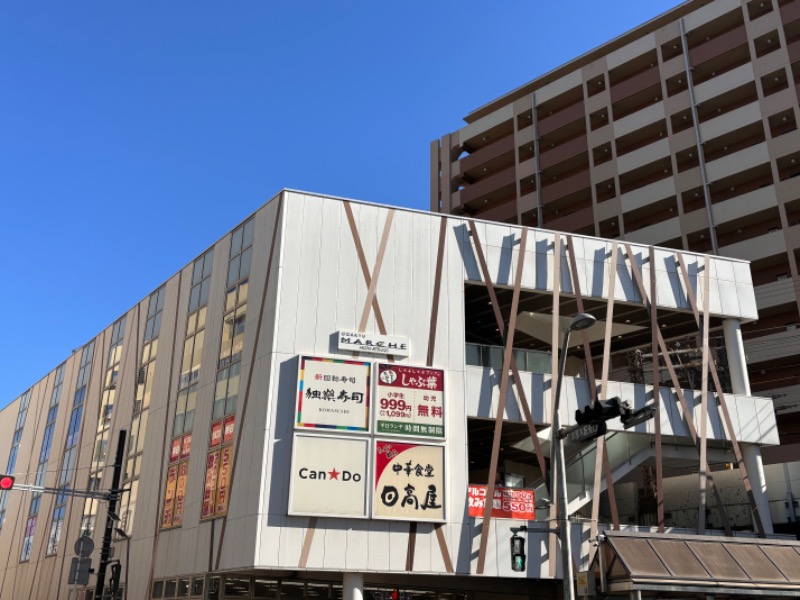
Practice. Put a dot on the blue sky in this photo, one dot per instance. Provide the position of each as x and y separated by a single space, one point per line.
133 135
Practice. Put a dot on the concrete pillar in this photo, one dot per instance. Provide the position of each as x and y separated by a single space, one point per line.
352 586
755 470
737 361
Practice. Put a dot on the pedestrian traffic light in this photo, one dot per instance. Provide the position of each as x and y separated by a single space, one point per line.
6 482
602 410
517 553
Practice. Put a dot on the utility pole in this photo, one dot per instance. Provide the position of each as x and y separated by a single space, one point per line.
113 498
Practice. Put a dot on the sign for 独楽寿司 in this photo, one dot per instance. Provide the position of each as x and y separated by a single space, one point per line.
333 394
329 476
408 482
372 342
409 401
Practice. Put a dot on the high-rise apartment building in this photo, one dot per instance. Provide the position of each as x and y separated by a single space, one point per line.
680 133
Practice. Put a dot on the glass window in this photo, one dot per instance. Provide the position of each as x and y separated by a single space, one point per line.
473 355
158 590
197 586
265 589
237 587
170 588
183 588
292 589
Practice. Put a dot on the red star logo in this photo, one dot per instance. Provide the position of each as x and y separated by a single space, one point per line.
334 474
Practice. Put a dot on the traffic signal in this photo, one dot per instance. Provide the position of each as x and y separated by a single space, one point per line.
113 583
6 482
603 410
517 553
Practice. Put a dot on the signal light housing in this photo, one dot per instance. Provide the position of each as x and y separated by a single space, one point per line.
6 482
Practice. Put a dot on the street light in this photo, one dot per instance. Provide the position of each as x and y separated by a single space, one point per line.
579 322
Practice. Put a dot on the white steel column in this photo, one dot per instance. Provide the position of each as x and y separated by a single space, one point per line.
755 470
737 362
352 586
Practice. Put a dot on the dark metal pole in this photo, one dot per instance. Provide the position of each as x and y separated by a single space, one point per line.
113 498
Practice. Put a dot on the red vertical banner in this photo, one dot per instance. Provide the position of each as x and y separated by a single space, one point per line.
186 446
216 434
180 493
210 489
225 457
227 430
175 450
169 497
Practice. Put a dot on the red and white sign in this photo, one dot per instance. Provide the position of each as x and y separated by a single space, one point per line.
210 487
175 450
186 446
509 503
409 482
227 429
216 434
409 401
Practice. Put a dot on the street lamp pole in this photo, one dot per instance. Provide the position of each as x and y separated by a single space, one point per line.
557 462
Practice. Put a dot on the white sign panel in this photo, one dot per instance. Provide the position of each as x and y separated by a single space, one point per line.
409 401
329 476
372 342
333 394
408 482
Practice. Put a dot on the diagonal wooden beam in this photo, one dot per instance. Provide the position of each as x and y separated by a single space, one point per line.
723 406
676 388
373 284
508 357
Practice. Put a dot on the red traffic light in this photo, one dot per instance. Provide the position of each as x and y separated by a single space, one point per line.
6 482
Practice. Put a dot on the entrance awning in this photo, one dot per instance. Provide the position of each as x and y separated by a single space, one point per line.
691 564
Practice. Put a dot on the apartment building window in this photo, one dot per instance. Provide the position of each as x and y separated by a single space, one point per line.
141 404
69 456
103 431
24 400
180 448
226 392
41 468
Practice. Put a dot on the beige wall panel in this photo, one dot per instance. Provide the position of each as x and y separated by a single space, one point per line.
775 293
741 206
736 119
563 84
634 49
648 194
738 161
756 248
639 119
709 12
656 233
484 123
778 102
643 156
724 83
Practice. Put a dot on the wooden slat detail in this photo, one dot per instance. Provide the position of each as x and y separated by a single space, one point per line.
676 388
728 423
448 564
508 357
307 540
373 285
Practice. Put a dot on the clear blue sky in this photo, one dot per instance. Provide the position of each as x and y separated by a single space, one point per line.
134 134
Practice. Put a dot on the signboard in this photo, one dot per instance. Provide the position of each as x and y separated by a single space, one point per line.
372 342
333 394
409 401
210 486
585 583
223 491
587 432
216 434
175 450
186 446
508 503
408 482
169 497
329 476
180 493
228 428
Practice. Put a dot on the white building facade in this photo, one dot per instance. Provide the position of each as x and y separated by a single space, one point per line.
316 405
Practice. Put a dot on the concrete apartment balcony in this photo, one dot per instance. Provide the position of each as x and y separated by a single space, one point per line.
737 162
790 12
488 153
718 45
565 187
656 233
744 115
772 347
549 123
724 83
575 221
643 156
648 194
637 83
562 152
641 118
775 293
741 206
756 248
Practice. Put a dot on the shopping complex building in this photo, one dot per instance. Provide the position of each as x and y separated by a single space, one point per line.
323 415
